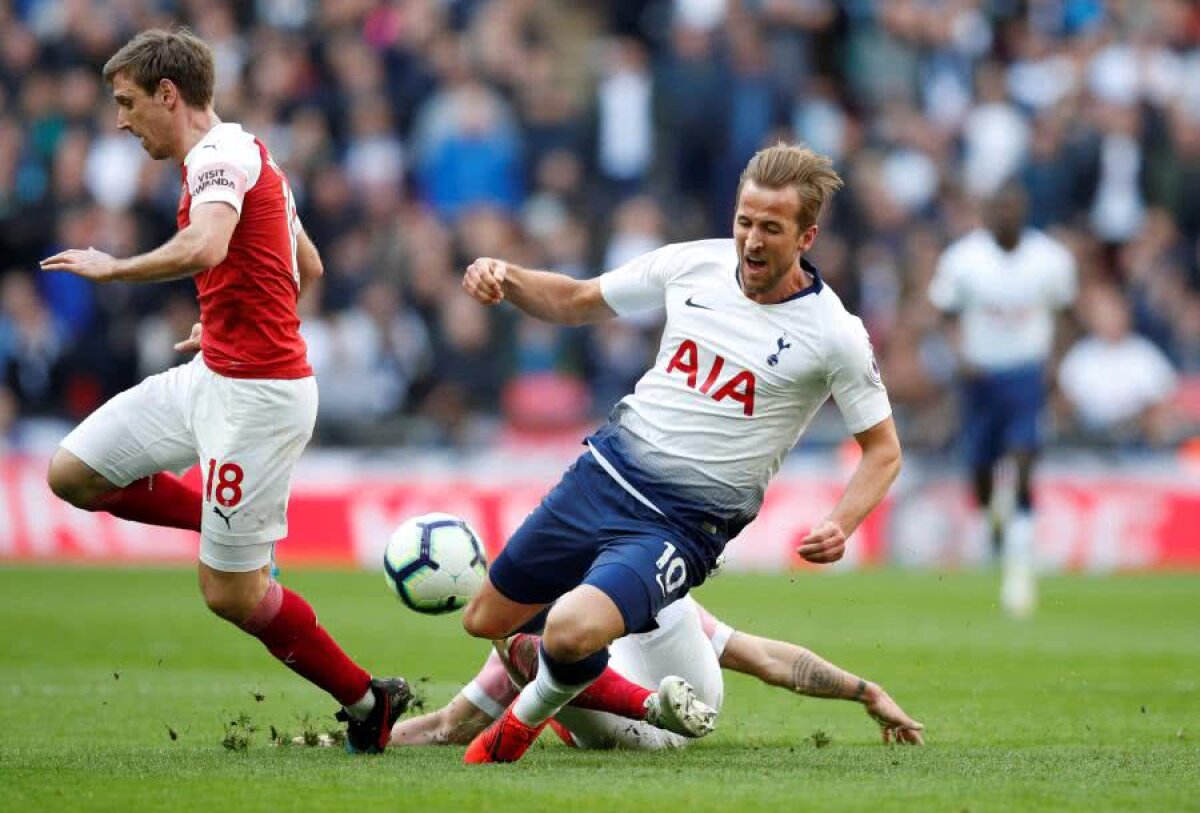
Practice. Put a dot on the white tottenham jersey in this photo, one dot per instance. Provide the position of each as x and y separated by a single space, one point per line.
735 383
1005 300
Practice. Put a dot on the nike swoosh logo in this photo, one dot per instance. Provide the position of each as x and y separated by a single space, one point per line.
692 304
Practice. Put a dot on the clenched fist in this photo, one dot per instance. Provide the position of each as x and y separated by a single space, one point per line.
824 544
484 280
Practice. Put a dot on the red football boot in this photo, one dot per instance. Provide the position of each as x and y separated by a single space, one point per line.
563 733
505 740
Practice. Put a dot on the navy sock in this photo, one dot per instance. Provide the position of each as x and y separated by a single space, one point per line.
578 673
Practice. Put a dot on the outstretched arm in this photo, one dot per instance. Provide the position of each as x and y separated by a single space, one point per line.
199 246
546 295
778 663
456 723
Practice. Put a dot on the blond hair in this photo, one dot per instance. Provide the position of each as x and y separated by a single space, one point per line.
156 54
811 174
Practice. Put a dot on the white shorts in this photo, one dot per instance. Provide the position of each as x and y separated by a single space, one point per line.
687 643
246 433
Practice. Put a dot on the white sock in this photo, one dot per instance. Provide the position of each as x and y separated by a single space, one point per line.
1018 543
1018 593
979 543
543 696
361 707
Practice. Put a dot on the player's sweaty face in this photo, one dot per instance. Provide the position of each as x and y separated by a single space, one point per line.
142 115
768 238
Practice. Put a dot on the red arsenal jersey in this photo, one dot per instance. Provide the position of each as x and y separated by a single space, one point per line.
248 301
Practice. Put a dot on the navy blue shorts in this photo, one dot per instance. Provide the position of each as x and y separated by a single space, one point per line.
589 530
1001 414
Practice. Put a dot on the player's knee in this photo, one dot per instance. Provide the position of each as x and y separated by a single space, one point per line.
64 487
480 623
71 481
226 604
573 636
232 602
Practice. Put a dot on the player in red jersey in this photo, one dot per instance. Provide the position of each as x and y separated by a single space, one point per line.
246 404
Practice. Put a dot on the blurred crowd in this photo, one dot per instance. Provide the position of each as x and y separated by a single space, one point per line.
420 134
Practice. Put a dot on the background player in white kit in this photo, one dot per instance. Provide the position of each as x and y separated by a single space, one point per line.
1003 285
245 406
754 344
688 642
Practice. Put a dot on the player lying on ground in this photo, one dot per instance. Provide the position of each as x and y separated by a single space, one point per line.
246 404
689 643
755 342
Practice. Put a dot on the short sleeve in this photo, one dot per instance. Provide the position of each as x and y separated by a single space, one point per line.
944 290
641 283
854 377
223 170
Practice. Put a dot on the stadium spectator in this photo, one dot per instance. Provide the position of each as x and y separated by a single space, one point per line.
1109 407
397 120
33 347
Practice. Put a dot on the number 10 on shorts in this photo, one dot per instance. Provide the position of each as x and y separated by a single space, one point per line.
224 482
672 571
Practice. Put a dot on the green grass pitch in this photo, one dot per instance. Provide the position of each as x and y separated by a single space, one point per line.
117 688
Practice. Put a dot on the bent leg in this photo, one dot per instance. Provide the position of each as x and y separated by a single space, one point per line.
287 626
117 459
581 623
234 596
492 615
573 653
76 482
159 499
611 692
680 646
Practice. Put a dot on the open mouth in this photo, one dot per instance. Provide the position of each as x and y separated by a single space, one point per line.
756 264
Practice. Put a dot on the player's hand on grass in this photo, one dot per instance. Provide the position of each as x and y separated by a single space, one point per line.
484 280
192 343
894 724
824 544
89 264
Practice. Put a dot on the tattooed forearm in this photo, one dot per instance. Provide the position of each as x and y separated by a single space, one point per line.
817 678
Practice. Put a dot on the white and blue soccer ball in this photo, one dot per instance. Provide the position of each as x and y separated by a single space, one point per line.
435 563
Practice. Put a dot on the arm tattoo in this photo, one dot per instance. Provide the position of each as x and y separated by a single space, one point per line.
861 690
815 677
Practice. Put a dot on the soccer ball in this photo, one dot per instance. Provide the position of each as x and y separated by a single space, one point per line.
435 563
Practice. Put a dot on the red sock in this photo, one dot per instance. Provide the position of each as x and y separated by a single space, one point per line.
160 499
610 692
287 625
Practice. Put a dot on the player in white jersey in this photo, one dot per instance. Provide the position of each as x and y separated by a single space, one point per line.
754 343
689 642
1003 285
